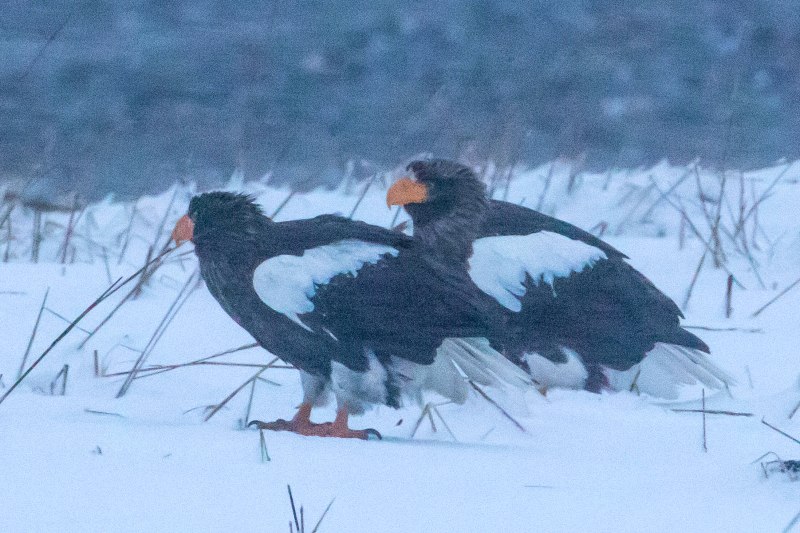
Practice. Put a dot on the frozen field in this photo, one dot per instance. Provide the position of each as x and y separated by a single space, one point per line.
85 460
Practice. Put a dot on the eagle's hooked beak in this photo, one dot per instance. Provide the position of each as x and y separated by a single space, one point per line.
184 230
406 191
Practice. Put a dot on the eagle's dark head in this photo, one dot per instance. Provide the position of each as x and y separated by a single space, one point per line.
446 202
437 188
221 217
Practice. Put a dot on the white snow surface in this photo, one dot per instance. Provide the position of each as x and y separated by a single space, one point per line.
88 461
287 283
499 266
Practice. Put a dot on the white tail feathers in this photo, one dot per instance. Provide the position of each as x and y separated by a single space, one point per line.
668 367
460 360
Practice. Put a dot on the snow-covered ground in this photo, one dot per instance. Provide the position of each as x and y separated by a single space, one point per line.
88 461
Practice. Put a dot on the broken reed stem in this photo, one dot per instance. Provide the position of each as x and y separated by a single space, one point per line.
718 253
548 179
635 383
67 320
37 235
294 509
743 330
33 334
316 527
705 443
70 229
775 299
203 361
694 280
50 39
491 401
794 411
643 196
63 373
156 370
696 231
282 205
433 423
779 431
791 524
114 287
180 299
106 319
163 222
263 447
250 403
444 423
108 292
711 412
127 239
238 389
361 197
420 419
104 255
9 238
728 297
96 361
672 188
160 256
395 217
750 379
763 197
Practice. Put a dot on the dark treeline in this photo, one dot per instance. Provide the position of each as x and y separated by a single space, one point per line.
127 95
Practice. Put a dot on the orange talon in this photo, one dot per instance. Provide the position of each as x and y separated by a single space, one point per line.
184 230
300 424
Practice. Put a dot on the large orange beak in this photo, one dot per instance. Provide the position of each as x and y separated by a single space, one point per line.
406 191
184 230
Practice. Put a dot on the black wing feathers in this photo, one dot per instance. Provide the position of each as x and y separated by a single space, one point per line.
404 306
504 218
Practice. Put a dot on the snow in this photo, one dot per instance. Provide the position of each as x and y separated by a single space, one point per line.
287 283
87 461
499 266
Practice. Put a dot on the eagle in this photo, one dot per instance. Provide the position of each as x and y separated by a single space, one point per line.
368 315
569 296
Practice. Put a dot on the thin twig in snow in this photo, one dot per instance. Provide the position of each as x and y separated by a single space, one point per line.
363 194
784 291
791 524
779 431
711 412
743 330
282 205
108 292
491 401
705 444
238 389
694 229
180 299
694 280
127 239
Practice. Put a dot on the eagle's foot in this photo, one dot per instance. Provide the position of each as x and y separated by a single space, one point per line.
300 424
340 428
347 433
301 427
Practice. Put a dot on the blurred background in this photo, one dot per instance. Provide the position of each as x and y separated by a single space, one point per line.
128 96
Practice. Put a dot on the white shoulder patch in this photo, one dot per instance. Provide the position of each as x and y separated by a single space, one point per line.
286 283
499 265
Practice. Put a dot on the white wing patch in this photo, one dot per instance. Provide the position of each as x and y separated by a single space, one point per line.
286 283
499 265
